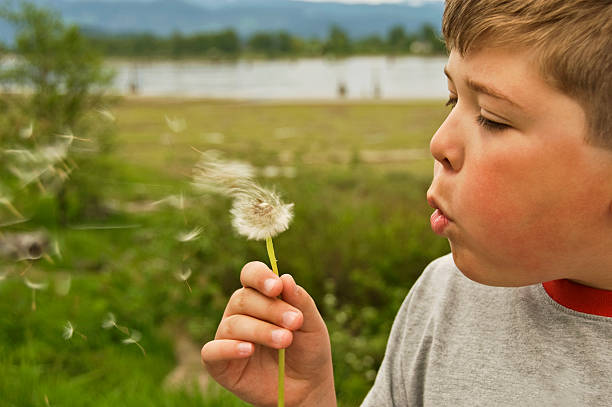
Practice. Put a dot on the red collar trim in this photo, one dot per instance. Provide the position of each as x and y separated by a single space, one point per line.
580 298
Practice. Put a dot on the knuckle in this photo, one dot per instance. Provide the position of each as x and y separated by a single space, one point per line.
227 328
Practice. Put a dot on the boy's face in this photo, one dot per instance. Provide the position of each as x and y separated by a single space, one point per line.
524 198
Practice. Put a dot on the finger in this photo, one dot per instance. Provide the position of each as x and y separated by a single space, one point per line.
247 301
225 349
258 275
249 329
295 295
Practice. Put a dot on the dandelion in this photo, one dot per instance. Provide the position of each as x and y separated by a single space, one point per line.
34 287
257 213
260 214
184 276
189 236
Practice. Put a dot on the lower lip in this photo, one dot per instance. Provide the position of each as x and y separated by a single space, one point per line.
439 222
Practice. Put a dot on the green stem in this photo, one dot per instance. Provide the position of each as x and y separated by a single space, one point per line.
281 352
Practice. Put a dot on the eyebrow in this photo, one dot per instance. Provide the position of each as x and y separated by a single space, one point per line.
481 88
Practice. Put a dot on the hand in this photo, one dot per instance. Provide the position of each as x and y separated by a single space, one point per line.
243 357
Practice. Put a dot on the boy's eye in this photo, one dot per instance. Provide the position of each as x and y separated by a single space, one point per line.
452 101
490 124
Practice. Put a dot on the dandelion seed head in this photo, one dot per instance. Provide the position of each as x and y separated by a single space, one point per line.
68 330
260 213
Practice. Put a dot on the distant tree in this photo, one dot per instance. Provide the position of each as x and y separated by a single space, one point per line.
54 91
338 42
273 44
227 43
429 35
372 44
398 41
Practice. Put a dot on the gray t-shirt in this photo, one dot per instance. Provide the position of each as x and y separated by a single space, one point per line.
455 342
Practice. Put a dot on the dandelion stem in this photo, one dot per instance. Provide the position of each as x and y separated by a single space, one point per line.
281 352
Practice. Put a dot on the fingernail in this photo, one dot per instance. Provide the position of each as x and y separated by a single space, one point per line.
289 318
269 285
277 336
244 348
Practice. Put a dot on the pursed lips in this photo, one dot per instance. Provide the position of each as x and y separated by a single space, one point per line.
434 204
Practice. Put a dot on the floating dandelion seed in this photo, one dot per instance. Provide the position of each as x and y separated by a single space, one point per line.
184 276
176 124
68 331
134 338
213 174
110 321
189 236
27 132
107 115
34 287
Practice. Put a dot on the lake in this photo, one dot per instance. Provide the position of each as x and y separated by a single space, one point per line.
356 78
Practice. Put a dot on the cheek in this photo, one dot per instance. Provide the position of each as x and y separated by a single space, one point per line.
505 210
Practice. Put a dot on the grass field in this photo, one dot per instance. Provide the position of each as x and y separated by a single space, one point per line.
357 173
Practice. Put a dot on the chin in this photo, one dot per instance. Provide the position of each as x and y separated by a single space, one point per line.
484 273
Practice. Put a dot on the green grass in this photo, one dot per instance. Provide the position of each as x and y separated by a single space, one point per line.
359 240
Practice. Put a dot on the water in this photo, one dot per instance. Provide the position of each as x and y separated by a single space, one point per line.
361 77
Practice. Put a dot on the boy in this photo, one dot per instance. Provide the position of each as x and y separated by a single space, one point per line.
521 314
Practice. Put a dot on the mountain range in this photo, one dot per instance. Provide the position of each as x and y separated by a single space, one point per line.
303 18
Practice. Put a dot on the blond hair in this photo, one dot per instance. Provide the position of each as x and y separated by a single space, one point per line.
572 41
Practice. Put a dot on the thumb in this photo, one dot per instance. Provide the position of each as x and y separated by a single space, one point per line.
295 295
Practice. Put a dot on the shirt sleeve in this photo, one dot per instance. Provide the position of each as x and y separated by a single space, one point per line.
400 379
389 388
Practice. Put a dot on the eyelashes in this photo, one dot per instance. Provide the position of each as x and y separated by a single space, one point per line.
482 121
490 124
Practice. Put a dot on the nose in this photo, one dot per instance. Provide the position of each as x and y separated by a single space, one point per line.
447 145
